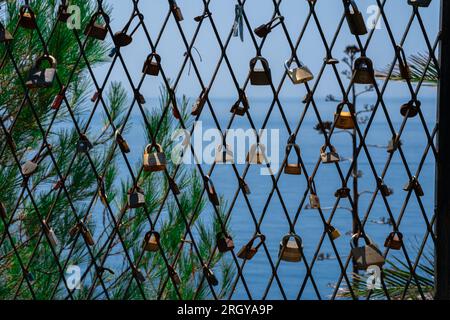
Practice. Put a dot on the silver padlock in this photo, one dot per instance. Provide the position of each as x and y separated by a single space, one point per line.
298 73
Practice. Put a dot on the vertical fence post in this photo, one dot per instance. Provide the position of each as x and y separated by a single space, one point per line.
442 256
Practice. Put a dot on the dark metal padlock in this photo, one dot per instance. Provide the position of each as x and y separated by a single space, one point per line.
84 145
42 78
200 103
367 255
121 39
393 145
63 14
176 11
260 77
293 168
5 36
410 109
152 64
136 198
355 19
248 251
414 184
123 145
244 186
137 274
151 241
212 194
291 250
394 240
139 97
419 3
264 29
174 275
210 277
96 30
405 71
343 192
27 18
384 189
363 72
224 242
241 106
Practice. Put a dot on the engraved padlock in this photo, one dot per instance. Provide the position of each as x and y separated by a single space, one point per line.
152 64
151 241
293 168
354 18
27 18
257 154
249 250
298 73
394 240
258 76
224 154
329 157
363 72
97 30
154 161
291 247
344 119
42 78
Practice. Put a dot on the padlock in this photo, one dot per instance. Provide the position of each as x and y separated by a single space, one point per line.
42 78
343 192
139 97
414 184
102 193
419 3
384 189
84 145
137 274
211 191
174 276
152 64
410 109
155 161
257 154
95 96
123 145
394 240
241 106
5 35
405 71
224 242
200 102
260 77
151 241
176 11
210 277
96 30
244 186
3 211
314 201
63 14
298 74
50 234
344 119
203 16
264 29
27 18
354 18
87 235
29 167
329 157
293 168
367 255
136 198
224 154
291 247
121 39
333 232
173 186
363 72
393 144
59 98
248 251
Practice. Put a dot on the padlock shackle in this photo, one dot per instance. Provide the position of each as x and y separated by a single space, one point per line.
396 233
288 64
99 13
50 59
297 151
324 147
264 63
262 239
154 55
151 233
148 148
295 236
26 9
351 4
358 235
341 106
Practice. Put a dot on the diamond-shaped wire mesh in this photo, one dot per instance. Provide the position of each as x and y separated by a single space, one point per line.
298 217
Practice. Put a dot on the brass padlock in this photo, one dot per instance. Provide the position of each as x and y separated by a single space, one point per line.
121 39
87 235
241 106
405 71
343 192
152 64
50 234
224 242
260 77
137 274
211 191
123 145
200 102
29 167
314 201
136 198
27 18
291 250
419 3
264 29
5 36
344 119
3 211
394 240
155 161
96 30
151 241
42 78
248 251
176 11
354 18
174 275
84 145
244 186
224 154
410 109
329 157
257 154
210 277
332 231
363 72
414 184
298 74
293 168
367 255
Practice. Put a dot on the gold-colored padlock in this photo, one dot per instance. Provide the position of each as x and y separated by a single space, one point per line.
333 232
151 241
291 247
344 119
155 161
293 168
298 74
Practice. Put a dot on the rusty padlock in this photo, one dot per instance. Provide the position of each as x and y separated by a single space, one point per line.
155 161
122 39
354 18
224 242
42 78
329 157
291 250
394 240
152 64
367 255
123 145
27 18
344 119
260 77
410 109
210 277
343 192
248 251
136 198
176 11
293 168
200 102
96 30
151 241
59 98
211 191
241 106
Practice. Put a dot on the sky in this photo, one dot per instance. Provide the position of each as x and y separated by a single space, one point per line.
276 49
